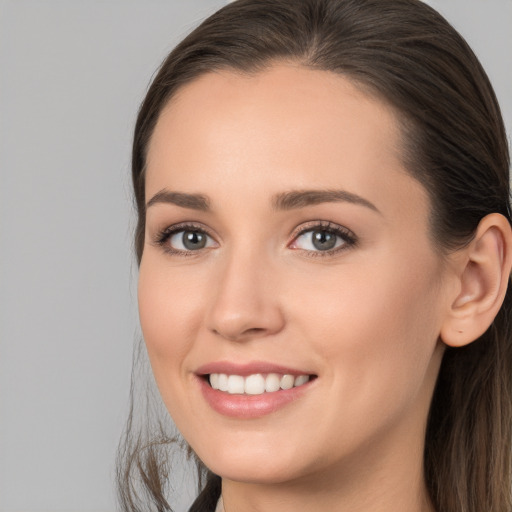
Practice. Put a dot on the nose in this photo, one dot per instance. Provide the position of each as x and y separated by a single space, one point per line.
244 302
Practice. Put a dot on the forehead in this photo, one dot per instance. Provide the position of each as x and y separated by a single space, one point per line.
281 128
283 104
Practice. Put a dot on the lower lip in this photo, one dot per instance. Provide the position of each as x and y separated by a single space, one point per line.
250 406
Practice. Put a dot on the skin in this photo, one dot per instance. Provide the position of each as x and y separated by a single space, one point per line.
365 320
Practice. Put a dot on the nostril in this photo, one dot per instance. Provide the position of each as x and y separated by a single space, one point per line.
254 330
244 334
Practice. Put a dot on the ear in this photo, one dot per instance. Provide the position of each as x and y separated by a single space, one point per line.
483 272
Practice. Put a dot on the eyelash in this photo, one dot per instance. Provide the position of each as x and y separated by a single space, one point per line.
348 238
163 237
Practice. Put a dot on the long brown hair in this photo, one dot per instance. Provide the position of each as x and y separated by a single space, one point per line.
454 143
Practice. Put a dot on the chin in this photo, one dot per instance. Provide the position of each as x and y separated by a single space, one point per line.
252 472
254 464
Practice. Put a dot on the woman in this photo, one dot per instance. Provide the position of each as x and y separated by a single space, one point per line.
325 247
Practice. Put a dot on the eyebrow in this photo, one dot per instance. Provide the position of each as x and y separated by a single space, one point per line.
191 201
292 200
302 198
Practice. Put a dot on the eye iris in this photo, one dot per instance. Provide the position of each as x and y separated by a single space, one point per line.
323 240
193 240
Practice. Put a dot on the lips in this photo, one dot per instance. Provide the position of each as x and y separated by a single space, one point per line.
251 390
248 368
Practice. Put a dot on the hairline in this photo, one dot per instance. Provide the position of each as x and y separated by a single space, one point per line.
407 128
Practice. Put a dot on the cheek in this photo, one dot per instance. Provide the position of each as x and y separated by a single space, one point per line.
170 318
377 327
376 336
168 311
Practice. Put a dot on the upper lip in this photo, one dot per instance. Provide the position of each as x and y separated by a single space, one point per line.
250 368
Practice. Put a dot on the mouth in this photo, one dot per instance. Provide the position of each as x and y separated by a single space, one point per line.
254 389
256 383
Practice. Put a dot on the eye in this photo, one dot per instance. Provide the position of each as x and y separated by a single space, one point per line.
189 240
183 239
324 238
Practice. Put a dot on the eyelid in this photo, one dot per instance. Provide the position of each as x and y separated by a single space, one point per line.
162 237
348 236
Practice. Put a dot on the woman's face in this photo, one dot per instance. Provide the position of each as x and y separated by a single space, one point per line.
285 243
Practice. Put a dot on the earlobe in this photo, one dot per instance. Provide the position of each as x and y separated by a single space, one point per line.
484 274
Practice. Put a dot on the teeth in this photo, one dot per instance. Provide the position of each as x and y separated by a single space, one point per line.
287 381
301 379
223 381
235 385
255 384
214 380
272 382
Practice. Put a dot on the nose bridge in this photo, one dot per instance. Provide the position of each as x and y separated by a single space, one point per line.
242 304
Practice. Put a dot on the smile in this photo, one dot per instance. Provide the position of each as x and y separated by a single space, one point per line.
255 384
253 389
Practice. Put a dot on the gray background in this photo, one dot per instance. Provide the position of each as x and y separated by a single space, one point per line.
71 77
